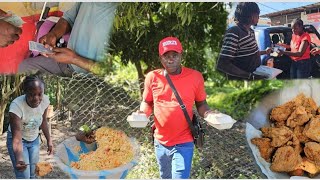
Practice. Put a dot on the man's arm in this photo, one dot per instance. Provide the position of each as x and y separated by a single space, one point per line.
45 129
203 108
267 51
58 31
225 65
68 56
62 27
146 107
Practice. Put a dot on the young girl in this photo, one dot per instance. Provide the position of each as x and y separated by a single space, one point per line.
27 114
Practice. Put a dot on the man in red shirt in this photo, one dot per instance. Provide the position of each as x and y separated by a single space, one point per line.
173 139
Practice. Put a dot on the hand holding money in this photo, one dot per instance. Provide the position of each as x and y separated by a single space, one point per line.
63 55
49 40
35 46
9 33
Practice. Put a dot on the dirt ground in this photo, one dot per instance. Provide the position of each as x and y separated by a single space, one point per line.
60 132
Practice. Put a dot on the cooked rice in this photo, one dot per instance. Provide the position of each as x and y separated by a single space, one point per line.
113 150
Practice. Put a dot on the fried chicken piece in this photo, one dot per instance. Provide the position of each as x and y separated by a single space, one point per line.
309 167
264 146
279 124
298 117
43 168
286 159
279 136
297 172
318 111
312 129
282 112
301 137
299 99
296 144
310 105
312 151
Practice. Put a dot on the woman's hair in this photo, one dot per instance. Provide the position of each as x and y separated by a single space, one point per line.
245 11
297 21
28 83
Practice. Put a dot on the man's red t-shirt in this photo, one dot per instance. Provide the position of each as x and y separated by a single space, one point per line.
295 46
171 125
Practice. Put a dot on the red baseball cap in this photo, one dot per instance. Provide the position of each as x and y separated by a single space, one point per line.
170 44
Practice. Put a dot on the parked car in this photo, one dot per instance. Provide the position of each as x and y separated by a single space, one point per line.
265 37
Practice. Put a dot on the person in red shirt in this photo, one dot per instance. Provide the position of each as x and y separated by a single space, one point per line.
300 51
173 139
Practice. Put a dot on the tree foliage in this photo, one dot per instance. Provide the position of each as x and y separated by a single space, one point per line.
140 26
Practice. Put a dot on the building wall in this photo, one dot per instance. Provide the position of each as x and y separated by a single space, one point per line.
287 19
310 18
284 19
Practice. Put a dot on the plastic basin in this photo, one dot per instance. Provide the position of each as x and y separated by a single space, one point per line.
68 151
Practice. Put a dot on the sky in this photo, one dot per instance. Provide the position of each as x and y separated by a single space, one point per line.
269 7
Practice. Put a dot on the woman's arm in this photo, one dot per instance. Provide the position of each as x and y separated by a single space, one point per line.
45 130
15 124
303 47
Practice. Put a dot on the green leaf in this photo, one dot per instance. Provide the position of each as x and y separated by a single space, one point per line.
85 128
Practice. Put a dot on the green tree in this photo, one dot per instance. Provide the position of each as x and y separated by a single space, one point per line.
140 26
10 86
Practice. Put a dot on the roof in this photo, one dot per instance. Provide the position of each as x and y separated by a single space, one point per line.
292 10
273 27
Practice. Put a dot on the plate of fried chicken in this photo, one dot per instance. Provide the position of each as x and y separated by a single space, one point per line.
288 146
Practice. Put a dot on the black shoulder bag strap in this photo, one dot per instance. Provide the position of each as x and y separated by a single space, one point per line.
182 106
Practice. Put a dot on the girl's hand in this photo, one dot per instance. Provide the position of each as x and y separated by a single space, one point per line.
21 166
50 148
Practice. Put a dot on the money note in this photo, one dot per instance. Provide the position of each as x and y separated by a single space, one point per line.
34 46
13 19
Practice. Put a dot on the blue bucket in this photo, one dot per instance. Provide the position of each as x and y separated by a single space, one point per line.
68 151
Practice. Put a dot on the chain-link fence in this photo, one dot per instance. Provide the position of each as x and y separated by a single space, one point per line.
87 99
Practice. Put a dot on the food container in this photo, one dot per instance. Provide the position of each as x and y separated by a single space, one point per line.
220 121
138 120
70 149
